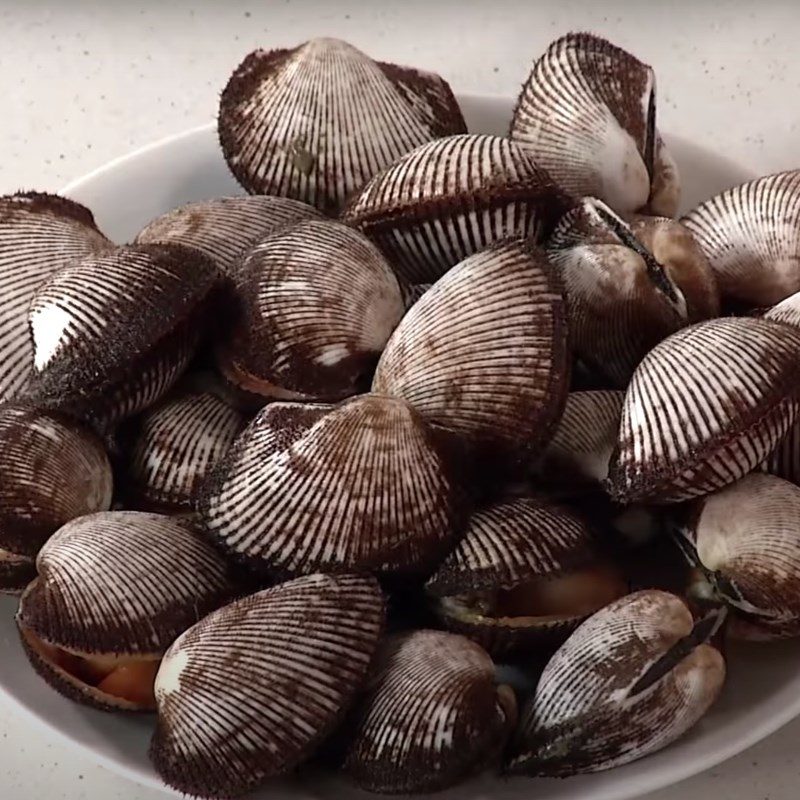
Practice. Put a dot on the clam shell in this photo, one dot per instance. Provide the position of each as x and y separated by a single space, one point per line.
39 233
586 114
316 122
483 354
224 228
431 715
704 408
363 486
787 311
751 237
319 302
450 198
631 680
254 688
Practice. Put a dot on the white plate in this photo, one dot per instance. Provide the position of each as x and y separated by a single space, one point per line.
763 692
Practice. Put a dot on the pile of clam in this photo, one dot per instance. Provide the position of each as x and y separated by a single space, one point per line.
303 471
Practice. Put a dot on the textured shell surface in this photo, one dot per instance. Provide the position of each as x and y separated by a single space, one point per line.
225 227
452 197
251 690
39 233
361 487
319 302
628 682
316 122
483 353
751 237
586 114
431 715
787 311
704 408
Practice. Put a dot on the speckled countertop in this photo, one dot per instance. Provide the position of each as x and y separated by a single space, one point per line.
83 82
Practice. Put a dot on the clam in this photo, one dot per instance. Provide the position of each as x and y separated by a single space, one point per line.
362 486
525 573
113 591
483 354
631 680
51 471
787 311
317 121
432 714
318 303
450 198
587 114
751 237
39 233
705 407
253 689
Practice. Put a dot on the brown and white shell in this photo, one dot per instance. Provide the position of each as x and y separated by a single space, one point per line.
704 408
450 198
431 715
363 486
587 114
631 680
787 311
483 354
317 121
751 237
318 303
254 688
39 233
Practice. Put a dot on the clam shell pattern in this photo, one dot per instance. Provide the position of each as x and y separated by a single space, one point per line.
319 302
450 198
361 487
316 122
39 233
631 680
254 688
587 114
432 714
483 354
704 408
751 237
787 311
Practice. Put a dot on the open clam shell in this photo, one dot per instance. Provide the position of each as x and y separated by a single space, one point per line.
450 198
360 487
316 122
704 408
587 114
432 714
631 680
254 688
483 354
318 303
114 589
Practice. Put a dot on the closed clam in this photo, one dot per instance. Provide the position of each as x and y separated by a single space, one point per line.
317 121
631 680
114 589
450 198
254 688
587 114
432 714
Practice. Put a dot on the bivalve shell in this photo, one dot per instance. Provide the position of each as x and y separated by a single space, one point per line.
787 311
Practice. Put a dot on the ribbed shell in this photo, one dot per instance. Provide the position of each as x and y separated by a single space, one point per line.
483 353
252 690
751 236
431 715
39 233
450 198
413 293
318 121
177 444
704 408
319 302
587 713
225 227
586 114
787 311
361 487
785 459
